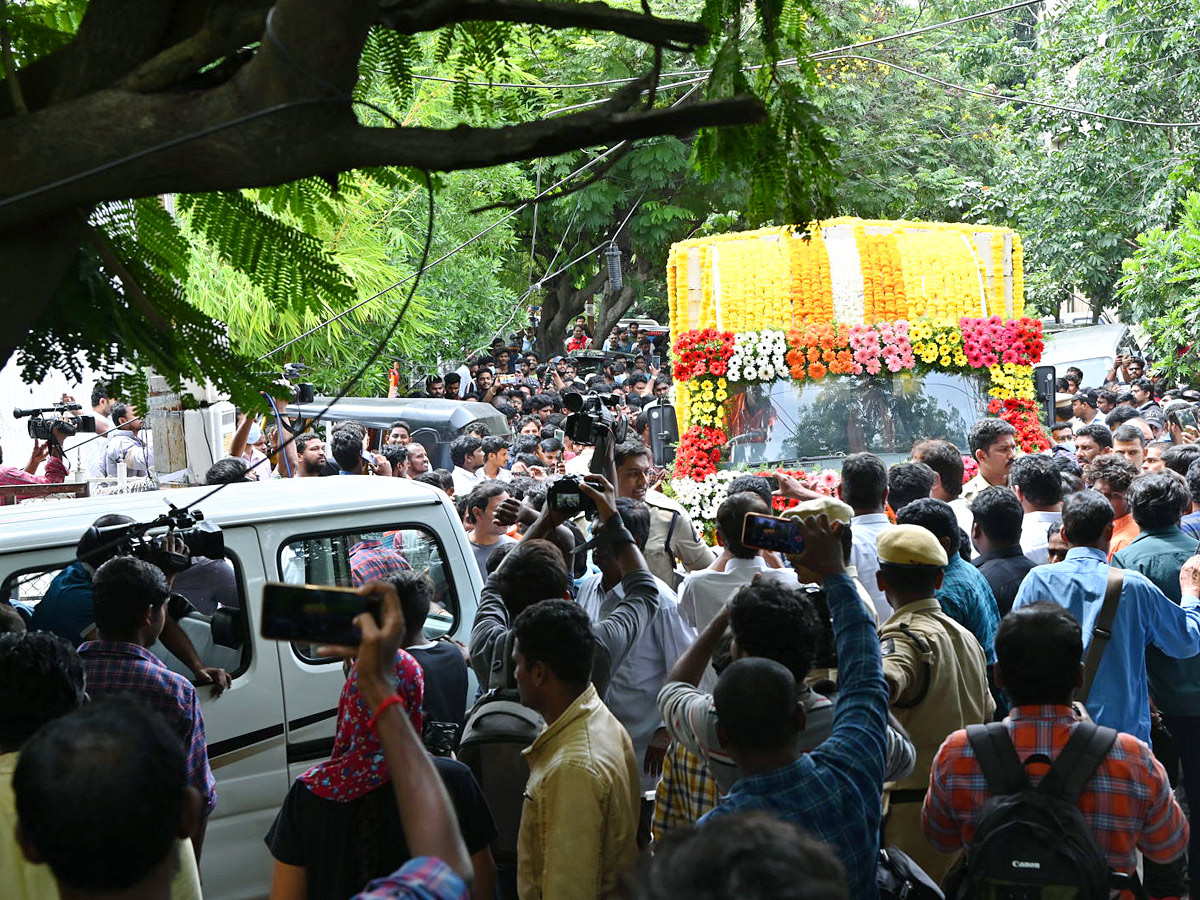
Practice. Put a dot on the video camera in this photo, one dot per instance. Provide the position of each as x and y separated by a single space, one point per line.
58 425
302 391
594 418
565 497
198 535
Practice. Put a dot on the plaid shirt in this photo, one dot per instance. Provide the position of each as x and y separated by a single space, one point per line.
371 561
421 878
1128 801
686 792
967 598
835 791
116 668
56 473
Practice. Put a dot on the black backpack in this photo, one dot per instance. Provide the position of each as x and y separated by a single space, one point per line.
498 727
1034 843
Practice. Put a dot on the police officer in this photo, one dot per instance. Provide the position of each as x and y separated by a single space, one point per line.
936 675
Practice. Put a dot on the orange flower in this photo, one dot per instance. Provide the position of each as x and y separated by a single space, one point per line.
814 353
816 370
798 372
829 356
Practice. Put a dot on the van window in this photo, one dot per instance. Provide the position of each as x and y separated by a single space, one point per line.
207 586
352 558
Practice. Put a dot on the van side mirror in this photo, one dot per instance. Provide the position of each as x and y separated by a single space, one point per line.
664 433
1044 383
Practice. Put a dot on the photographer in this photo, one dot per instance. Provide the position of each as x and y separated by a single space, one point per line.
51 453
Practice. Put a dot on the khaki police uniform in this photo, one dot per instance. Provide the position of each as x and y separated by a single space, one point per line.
937 682
672 536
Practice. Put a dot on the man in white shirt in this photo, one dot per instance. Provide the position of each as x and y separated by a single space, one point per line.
947 463
91 448
466 454
704 592
495 459
633 692
864 488
1037 483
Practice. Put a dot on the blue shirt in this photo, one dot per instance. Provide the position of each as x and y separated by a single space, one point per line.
835 790
1191 525
967 598
1145 617
66 609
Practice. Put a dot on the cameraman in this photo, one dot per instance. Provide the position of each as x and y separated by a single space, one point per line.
56 469
67 607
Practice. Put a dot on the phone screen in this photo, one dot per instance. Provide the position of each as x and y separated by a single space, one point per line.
655 360
559 433
772 533
316 615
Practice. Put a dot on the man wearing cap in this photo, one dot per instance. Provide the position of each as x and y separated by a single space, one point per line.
1085 406
936 677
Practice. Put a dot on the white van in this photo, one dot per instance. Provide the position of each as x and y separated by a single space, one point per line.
278 717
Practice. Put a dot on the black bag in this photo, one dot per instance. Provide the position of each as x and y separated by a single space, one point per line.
1034 843
498 727
900 878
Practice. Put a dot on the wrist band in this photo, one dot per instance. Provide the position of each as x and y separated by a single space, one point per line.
394 700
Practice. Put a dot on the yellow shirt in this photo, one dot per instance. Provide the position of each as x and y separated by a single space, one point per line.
22 880
580 818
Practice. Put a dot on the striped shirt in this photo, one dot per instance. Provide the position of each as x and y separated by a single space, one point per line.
115 668
686 792
1128 801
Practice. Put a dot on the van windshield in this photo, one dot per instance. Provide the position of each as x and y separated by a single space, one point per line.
787 421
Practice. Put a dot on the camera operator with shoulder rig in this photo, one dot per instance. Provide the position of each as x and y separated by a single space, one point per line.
67 609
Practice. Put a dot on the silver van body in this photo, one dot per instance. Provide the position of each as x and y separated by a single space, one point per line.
278 717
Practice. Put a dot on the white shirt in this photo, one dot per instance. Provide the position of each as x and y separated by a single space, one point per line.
465 481
1034 539
864 556
501 475
966 521
705 591
1078 423
633 691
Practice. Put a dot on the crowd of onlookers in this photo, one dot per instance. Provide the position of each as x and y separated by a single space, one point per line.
970 610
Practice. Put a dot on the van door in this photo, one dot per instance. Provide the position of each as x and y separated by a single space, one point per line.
245 731
243 727
338 550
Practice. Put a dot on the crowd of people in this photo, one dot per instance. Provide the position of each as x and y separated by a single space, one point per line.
700 719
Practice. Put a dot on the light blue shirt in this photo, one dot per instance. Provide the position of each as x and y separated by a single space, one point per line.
1145 617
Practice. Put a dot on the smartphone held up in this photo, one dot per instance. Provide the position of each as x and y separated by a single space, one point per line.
772 533
315 615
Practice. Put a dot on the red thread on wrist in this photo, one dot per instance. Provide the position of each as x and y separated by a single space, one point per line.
394 700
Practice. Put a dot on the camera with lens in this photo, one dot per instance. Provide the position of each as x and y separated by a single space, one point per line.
567 498
51 423
197 535
302 391
593 418
825 649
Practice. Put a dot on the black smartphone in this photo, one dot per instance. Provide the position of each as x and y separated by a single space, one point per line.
772 533
316 615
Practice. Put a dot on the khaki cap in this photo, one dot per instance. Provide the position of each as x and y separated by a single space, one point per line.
910 545
832 508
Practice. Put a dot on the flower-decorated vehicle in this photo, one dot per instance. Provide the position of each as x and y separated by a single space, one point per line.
797 349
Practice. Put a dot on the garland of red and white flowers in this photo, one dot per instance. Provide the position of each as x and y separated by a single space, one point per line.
707 362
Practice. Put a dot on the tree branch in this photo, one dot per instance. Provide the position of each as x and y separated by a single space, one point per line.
286 145
226 31
595 16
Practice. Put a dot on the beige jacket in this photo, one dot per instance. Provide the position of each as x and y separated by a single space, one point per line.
579 824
